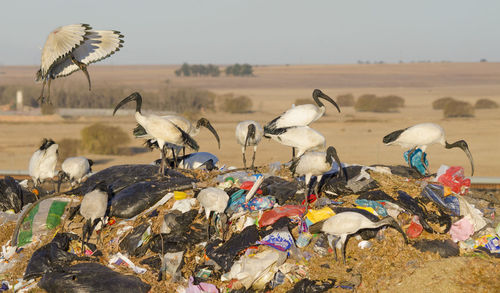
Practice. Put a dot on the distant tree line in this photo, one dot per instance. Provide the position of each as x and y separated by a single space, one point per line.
212 70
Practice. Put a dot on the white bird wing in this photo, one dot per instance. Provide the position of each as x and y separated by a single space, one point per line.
98 46
62 41
301 115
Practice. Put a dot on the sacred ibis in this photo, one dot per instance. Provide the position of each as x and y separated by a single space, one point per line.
315 164
43 161
72 47
184 124
302 138
301 115
248 133
75 169
164 131
421 136
213 200
196 160
93 209
346 223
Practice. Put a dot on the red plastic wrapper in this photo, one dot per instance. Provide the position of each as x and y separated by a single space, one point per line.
455 179
414 230
271 216
247 185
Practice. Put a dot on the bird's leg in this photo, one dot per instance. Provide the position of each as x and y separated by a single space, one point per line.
244 159
162 164
208 225
253 157
409 156
307 191
175 159
41 98
293 152
83 67
343 239
183 151
316 188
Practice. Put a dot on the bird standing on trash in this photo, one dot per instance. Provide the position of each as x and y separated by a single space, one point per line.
184 124
72 47
301 115
248 133
213 200
302 138
344 224
421 136
315 164
93 209
75 169
163 130
43 161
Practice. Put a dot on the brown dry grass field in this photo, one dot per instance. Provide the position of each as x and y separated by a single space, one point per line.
357 136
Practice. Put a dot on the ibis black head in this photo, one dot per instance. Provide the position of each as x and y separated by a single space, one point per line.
61 175
46 143
205 123
250 133
394 224
133 97
319 94
463 145
332 152
91 163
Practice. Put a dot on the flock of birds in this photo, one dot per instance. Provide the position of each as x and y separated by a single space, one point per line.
74 47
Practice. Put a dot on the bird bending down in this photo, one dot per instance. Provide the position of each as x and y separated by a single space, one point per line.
347 223
315 164
302 138
93 209
75 169
184 124
248 133
72 47
421 136
43 162
213 200
164 131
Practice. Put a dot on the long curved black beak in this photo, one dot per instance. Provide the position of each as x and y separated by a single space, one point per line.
319 94
133 97
60 177
204 122
332 152
396 226
465 147
250 134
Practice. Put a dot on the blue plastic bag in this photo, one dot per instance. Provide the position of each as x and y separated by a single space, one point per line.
416 160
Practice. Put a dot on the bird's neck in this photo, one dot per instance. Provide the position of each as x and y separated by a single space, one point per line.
318 102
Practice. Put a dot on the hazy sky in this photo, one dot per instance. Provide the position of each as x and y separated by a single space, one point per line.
263 31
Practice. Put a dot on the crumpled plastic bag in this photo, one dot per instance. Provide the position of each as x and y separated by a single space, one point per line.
260 203
280 188
257 270
279 239
445 248
313 216
13 196
312 286
454 177
201 287
416 159
91 277
133 242
271 216
461 230
472 214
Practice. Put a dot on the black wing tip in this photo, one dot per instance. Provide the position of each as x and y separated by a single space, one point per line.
393 136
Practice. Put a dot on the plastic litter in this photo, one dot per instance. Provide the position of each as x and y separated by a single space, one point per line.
120 259
472 214
461 230
280 188
260 203
418 160
415 228
445 248
454 177
314 216
184 205
134 241
91 277
376 206
172 264
201 287
270 217
312 286
278 239
13 196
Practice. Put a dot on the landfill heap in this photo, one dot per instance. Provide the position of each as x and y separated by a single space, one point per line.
157 239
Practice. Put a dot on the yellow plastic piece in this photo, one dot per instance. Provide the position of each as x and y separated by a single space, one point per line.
178 195
318 215
447 190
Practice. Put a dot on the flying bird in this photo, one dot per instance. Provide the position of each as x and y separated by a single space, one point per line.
421 136
248 133
73 47
162 130
43 162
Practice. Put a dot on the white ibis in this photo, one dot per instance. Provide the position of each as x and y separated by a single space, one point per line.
301 115
93 209
75 169
315 164
248 133
346 223
196 160
421 136
43 161
160 129
214 200
184 124
302 138
72 47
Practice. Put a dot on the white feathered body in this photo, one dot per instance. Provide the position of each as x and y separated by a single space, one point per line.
43 163
161 129
303 138
242 130
346 223
76 168
94 205
213 199
301 115
421 136
313 163
196 160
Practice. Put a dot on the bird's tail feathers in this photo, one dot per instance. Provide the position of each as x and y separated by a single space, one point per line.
316 227
187 139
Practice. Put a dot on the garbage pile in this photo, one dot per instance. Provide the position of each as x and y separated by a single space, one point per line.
242 231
